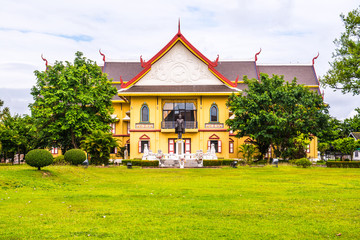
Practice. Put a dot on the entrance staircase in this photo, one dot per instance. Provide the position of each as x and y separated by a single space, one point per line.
170 163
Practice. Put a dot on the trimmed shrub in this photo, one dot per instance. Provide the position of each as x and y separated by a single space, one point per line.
219 162
303 162
59 160
343 164
75 156
39 158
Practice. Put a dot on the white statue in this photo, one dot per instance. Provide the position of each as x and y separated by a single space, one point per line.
212 150
146 152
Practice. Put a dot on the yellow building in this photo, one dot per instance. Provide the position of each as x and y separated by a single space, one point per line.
180 79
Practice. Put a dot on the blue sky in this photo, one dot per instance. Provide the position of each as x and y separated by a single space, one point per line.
288 31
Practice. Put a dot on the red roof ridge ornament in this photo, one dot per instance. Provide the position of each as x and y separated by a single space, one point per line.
257 55
179 32
215 63
103 55
313 60
44 59
236 81
121 81
143 63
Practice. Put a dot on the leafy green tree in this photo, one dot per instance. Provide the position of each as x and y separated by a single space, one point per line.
345 69
39 158
322 147
247 151
274 112
346 145
17 133
353 124
70 101
299 147
99 144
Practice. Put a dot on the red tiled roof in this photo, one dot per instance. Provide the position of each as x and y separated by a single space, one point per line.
304 73
232 69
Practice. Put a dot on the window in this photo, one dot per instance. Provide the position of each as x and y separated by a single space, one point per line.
217 145
113 150
356 153
144 113
172 108
54 150
308 148
214 113
142 144
231 147
128 128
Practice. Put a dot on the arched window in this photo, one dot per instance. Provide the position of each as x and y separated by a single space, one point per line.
214 113
144 113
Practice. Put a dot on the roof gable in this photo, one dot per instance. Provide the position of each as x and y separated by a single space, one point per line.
178 38
179 66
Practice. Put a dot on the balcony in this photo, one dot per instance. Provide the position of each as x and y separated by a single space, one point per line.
171 125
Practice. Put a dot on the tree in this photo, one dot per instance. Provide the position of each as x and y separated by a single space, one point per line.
346 145
322 147
345 69
353 124
39 158
70 101
247 151
17 134
99 144
274 112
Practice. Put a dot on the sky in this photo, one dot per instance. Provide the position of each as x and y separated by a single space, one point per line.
287 31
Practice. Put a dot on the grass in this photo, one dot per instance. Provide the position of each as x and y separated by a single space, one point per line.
65 202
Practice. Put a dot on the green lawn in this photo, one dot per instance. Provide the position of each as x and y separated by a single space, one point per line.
62 202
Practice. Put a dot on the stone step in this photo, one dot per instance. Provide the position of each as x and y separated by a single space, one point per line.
169 163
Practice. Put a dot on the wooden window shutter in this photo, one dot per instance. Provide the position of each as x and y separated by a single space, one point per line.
209 144
171 145
187 146
139 146
219 146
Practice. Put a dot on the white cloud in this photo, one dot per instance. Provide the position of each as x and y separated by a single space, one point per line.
288 31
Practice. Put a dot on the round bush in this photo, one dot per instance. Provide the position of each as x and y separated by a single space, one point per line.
303 162
59 160
75 156
39 158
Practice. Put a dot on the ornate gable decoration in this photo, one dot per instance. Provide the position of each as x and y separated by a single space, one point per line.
183 65
179 66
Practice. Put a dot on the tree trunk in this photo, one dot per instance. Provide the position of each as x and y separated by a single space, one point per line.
19 156
39 168
73 139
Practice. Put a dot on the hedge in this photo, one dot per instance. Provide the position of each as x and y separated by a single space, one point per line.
343 164
219 162
142 163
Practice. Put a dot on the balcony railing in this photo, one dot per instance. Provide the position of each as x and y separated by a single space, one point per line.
171 124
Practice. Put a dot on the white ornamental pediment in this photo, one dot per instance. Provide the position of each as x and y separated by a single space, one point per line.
179 66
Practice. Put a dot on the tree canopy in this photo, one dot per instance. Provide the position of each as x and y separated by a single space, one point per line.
345 69
277 113
70 101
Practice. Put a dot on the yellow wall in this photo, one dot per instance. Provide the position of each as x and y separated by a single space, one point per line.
159 137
